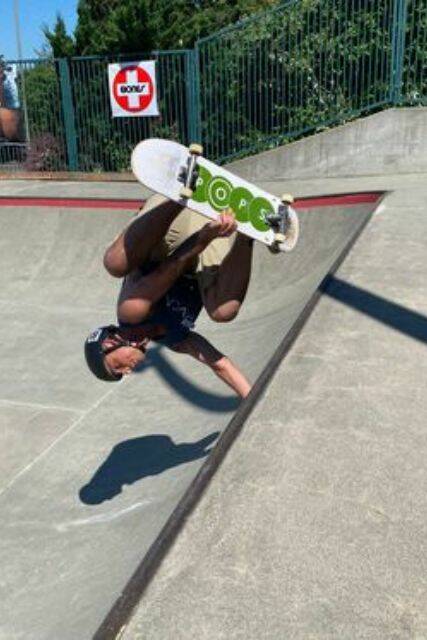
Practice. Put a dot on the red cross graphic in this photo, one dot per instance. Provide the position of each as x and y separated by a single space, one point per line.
133 89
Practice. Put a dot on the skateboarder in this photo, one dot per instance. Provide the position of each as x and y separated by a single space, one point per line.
173 264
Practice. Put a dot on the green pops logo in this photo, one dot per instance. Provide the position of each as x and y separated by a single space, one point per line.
220 194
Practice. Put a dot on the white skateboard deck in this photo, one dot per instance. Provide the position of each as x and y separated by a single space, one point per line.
161 166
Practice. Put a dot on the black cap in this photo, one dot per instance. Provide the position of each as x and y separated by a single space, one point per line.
95 356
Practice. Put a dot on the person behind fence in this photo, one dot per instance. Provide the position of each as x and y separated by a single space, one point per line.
173 264
9 88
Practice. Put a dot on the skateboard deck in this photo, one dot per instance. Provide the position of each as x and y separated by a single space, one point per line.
185 176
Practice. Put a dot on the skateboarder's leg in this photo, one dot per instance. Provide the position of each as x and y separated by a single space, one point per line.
132 247
139 294
224 296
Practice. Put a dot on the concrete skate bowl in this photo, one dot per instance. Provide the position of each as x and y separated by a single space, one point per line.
98 478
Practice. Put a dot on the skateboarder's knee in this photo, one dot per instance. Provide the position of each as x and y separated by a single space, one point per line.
225 312
134 310
115 264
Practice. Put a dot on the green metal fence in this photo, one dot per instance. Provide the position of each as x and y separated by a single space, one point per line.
105 143
306 65
69 114
414 56
276 76
40 143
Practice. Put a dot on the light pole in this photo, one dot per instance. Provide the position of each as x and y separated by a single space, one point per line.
21 67
17 29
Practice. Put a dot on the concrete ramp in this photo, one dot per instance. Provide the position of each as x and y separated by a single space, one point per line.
90 473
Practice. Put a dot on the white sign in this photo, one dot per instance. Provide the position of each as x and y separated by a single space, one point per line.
133 90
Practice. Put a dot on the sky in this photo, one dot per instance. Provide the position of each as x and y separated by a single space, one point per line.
33 14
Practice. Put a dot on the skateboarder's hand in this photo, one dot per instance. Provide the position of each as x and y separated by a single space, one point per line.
221 228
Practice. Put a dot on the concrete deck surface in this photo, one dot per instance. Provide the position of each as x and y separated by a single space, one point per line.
316 525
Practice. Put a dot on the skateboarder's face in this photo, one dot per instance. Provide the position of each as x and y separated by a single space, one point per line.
124 359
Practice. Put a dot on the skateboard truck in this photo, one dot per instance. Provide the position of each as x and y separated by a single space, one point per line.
280 222
189 174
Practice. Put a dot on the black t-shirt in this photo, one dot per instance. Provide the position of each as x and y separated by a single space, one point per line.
176 312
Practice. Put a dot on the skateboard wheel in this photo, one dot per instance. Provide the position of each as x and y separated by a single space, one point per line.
287 198
278 240
186 193
274 248
197 149
292 232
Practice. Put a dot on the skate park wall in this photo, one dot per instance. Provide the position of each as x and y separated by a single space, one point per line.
389 142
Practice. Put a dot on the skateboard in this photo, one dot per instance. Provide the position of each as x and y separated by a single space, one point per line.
184 175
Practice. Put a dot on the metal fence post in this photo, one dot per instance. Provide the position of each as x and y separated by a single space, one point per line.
68 114
193 95
398 50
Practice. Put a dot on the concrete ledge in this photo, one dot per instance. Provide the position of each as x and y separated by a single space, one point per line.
67 176
393 141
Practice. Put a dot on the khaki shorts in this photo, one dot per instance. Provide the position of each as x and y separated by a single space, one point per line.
185 224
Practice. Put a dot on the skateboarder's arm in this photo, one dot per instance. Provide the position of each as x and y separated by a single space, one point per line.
202 350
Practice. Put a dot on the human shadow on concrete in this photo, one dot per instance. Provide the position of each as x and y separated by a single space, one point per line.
185 387
139 458
394 315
